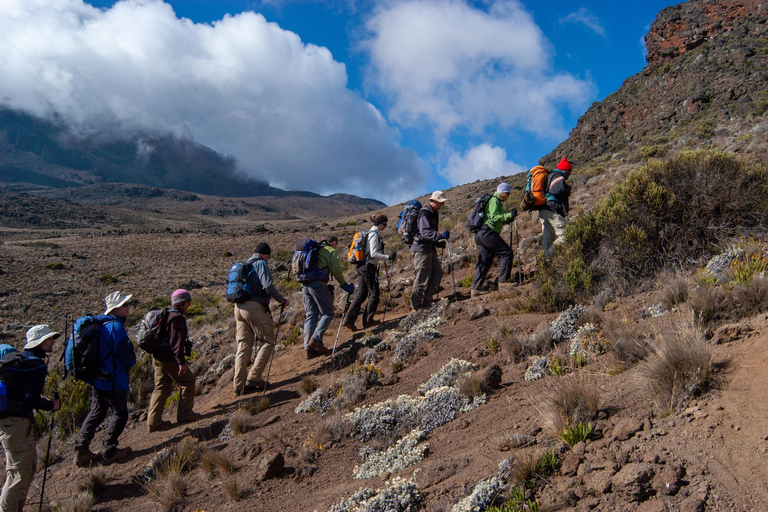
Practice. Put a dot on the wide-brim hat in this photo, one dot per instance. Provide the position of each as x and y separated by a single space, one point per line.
438 196
115 300
38 334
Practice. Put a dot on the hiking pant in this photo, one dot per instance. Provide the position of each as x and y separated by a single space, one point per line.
166 373
428 273
101 402
20 462
490 245
552 230
253 322
367 287
318 310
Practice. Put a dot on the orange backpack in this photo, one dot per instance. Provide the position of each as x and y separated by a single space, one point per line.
535 189
356 253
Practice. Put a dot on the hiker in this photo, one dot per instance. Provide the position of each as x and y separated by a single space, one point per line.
426 264
318 300
16 431
367 285
552 214
254 320
110 389
490 244
170 364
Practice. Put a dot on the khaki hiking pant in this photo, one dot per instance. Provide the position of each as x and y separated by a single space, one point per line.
20 462
428 274
552 230
166 374
253 322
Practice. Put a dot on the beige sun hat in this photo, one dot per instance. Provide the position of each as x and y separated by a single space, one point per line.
115 300
438 196
38 334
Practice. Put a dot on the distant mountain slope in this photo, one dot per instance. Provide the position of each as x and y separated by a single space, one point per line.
704 86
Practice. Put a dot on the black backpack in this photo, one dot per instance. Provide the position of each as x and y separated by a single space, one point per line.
407 221
304 262
13 366
153 331
81 355
476 217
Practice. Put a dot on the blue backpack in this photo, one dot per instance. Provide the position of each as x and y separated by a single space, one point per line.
304 262
238 287
81 354
407 221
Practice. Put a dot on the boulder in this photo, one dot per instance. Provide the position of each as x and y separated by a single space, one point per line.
269 465
626 428
490 377
633 480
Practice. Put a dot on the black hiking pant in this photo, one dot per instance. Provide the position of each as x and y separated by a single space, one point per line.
490 245
101 402
367 286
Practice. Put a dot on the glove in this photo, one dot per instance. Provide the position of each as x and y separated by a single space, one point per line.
440 244
348 287
446 235
514 214
330 288
392 256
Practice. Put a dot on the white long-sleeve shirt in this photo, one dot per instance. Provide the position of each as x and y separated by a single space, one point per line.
373 252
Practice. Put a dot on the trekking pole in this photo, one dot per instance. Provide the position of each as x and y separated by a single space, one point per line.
450 267
341 322
386 298
47 455
277 333
519 259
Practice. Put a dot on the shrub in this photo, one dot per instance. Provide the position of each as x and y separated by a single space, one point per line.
107 279
55 265
570 400
492 345
142 379
674 291
531 465
708 303
742 269
75 397
677 368
628 346
293 336
466 282
576 433
557 367
517 502
751 297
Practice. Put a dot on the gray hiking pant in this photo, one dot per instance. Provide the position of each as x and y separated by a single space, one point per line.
318 311
428 273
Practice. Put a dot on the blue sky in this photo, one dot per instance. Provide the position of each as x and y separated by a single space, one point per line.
385 99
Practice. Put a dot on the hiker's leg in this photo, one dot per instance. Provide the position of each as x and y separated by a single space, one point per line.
361 293
434 278
96 414
372 283
20 461
324 301
484 259
547 230
422 266
266 334
244 314
558 227
187 385
163 389
311 314
499 248
118 401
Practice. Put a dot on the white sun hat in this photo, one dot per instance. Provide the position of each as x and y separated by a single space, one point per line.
115 300
38 334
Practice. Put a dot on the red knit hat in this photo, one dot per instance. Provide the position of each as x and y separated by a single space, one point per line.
564 165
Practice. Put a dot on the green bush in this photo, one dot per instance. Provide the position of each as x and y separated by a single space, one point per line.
107 279
142 379
75 399
55 265
573 434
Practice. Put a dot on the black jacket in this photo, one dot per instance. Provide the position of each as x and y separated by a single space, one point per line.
31 381
427 236
558 192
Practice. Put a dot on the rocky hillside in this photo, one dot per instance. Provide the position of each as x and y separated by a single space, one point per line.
704 86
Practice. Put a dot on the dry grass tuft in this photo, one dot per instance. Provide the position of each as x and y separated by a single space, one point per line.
262 404
519 346
212 461
168 489
308 385
57 449
751 297
678 368
628 345
96 480
674 290
470 386
232 487
81 502
570 400
241 421
708 303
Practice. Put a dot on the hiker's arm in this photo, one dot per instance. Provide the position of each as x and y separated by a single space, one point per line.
374 251
335 267
124 349
33 387
178 338
496 214
559 188
265 278
425 230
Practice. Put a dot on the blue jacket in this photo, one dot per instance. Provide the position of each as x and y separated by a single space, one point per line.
116 355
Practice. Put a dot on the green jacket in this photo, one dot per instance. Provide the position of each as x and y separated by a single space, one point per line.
329 263
494 212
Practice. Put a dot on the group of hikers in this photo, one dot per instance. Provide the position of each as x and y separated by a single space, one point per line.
253 319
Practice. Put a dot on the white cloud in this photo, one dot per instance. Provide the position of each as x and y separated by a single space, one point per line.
587 19
241 85
453 66
479 163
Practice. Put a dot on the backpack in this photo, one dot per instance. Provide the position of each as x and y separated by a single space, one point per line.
238 287
153 330
476 217
407 221
304 262
535 189
12 366
356 253
81 354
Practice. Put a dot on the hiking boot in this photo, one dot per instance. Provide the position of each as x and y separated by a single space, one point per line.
350 326
189 417
163 425
478 293
372 323
118 455
318 348
253 386
86 458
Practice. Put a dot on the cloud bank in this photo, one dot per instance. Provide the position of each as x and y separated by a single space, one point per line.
241 85
459 69
479 163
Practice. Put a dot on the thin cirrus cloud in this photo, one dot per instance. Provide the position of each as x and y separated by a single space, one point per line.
241 85
584 17
449 65
479 163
